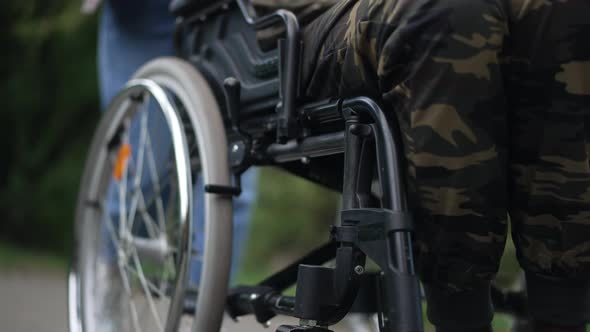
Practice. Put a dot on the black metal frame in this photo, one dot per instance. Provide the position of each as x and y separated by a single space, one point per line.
378 227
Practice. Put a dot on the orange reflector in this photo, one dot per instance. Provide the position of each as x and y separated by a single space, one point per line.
121 162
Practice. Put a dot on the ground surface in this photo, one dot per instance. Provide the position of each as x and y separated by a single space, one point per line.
31 301
34 299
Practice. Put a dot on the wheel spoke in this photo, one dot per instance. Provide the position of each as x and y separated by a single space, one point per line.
122 186
151 226
138 170
126 285
171 198
111 230
142 192
155 183
144 284
164 277
133 210
149 284
128 290
165 183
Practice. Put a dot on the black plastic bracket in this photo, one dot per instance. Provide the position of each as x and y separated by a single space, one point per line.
372 231
326 294
386 220
222 190
239 151
369 228
288 276
255 302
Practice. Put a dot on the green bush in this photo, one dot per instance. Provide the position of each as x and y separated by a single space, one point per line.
50 107
291 218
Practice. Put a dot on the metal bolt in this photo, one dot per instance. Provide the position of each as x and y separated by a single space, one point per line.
253 297
305 160
235 148
359 269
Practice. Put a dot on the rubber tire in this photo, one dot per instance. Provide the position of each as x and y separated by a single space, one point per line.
205 117
207 122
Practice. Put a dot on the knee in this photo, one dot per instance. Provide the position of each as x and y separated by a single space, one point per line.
461 17
478 16
561 302
396 34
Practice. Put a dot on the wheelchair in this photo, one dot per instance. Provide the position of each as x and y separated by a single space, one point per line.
225 105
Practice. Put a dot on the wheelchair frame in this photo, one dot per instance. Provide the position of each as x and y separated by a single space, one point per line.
267 126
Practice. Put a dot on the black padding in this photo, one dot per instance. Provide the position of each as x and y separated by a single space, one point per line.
459 310
560 302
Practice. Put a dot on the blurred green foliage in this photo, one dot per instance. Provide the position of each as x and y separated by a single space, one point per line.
49 95
291 218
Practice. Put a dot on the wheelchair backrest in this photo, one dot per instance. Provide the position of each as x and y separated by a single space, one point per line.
215 37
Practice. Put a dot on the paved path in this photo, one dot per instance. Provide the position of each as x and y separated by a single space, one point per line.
34 301
31 301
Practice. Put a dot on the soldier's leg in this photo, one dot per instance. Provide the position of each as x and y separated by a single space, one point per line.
435 64
548 83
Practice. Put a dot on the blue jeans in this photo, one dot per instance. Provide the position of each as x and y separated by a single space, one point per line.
131 33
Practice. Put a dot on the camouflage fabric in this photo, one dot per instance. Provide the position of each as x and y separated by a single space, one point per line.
90 6
305 10
493 99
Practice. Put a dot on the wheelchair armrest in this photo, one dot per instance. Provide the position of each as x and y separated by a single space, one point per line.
290 52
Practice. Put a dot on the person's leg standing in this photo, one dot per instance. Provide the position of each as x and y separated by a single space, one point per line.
435 64
131 33
548 84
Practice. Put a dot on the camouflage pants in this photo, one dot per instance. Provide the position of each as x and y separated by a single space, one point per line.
493 99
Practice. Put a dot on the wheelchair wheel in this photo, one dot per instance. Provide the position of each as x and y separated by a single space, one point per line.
134 251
